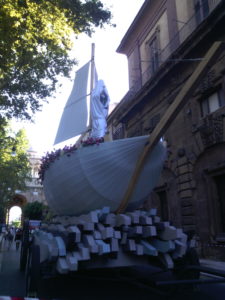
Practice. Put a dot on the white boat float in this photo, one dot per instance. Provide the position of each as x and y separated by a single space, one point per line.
97 176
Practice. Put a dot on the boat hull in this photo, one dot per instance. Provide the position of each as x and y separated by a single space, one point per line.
97 176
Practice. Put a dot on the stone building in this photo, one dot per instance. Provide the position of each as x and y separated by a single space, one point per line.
164 44
34 191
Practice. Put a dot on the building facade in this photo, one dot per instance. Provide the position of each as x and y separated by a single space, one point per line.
163 45
34 190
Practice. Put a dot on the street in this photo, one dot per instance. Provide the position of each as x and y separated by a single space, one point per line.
12 283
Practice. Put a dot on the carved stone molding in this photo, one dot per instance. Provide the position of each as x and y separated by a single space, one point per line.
207 82
211 130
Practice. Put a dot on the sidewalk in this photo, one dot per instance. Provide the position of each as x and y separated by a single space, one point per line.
12 281
214 264
1 253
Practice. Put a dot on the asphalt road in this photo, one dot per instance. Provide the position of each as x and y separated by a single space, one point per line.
103 288
102 285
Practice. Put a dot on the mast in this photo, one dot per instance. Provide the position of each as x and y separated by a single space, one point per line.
92 67
91 80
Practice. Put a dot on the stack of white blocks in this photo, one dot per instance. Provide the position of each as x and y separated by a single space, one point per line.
102 233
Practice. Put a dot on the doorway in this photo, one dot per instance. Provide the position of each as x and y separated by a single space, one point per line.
163 205
220 186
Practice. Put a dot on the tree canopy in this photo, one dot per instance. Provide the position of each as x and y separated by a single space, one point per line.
34 210
35 42
14 163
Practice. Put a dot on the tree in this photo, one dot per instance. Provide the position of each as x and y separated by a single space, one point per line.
33 210
14 164
16 223
35 42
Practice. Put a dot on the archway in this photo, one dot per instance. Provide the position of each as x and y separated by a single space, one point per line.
208 169
209 174
15 216
17 201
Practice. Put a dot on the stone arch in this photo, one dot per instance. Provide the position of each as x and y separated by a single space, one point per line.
17 200
209 164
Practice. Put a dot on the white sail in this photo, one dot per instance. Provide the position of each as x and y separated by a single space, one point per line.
75 117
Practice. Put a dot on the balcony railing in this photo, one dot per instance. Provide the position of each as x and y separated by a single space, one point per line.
174 43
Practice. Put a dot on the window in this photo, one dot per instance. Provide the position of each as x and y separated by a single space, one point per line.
154 54
201 10
118 132
153 122
212 103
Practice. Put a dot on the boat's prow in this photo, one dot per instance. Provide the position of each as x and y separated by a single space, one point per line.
97 176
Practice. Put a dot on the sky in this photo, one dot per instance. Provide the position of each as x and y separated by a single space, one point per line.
111 67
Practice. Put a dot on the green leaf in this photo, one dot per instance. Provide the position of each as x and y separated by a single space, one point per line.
36 37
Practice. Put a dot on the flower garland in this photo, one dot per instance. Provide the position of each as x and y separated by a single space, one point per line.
50 157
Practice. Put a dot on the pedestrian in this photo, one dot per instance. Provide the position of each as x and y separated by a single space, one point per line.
18 237
9 238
